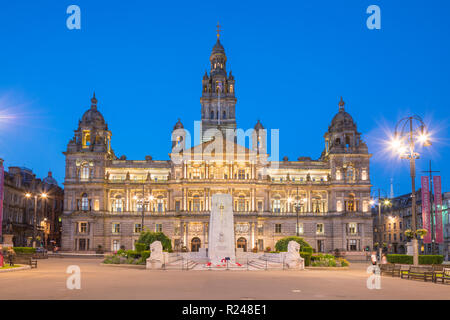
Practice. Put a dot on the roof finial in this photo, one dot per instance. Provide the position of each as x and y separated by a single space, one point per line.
341 105
218 30
94 101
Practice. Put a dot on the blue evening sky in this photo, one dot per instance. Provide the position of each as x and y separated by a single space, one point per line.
292 60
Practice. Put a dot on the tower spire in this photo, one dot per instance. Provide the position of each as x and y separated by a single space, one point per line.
94 102
341 105
218 30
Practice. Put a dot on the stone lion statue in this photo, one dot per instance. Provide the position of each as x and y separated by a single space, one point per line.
293 259
156 259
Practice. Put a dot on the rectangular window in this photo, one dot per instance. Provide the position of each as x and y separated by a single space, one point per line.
116 245
260 206
260 230
116 228
319 228
352 228
276 205
299 228
278 228
137 228
158 227
177 206
241 174
83 227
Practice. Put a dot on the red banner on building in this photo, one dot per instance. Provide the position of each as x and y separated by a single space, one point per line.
426 219
438 209
1 197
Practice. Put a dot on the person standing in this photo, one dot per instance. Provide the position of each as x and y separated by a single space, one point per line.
373 258
11 254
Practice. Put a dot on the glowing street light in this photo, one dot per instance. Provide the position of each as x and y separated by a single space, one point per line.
28 195
411 131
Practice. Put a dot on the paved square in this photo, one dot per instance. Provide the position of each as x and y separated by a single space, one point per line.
48 281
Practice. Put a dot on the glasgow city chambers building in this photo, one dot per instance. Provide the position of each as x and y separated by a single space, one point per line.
108 200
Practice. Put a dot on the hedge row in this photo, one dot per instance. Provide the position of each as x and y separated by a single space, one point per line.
307 257
24 250
407 259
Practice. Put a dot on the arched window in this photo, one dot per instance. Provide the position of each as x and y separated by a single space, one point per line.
117 204
351 203
277 205
195 244
197 203
338 175
339 206
212 114
241 203
84 173
84 202
160 204
242 243
231 88
350 174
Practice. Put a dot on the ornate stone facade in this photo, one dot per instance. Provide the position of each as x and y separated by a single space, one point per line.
105 196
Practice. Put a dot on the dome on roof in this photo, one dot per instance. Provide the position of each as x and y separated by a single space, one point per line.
178 125
50 180
342 118
93 117
258 125
218 48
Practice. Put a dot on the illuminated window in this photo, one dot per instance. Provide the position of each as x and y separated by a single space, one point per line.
338 175
197 203
231 88
300 228
158 227
137 228
84 173
82 227
117 204
86 138
339 206
241 203
352 228
115 228
364 175
276 205
84 202
319 228
116 245
96 205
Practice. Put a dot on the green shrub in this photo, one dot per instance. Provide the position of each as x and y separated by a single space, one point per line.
399 258
121 252
406 259
307 257
132 254
282 244
130 260
431 259
145 254
112 260
307 249
140 247
149 237
24 250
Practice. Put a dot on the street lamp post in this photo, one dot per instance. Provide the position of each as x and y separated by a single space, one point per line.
408 132
386 203
43 196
